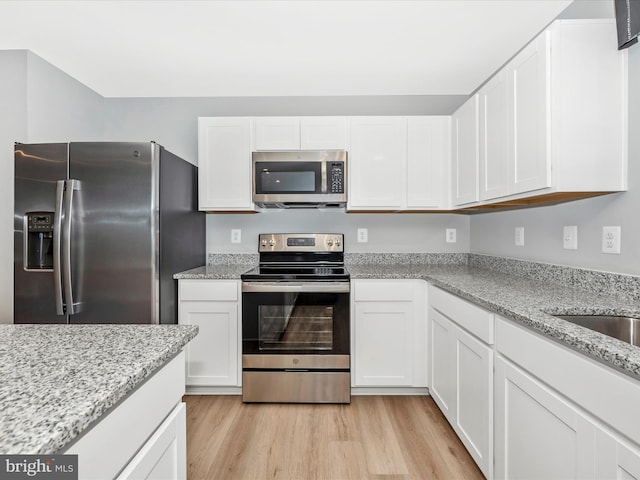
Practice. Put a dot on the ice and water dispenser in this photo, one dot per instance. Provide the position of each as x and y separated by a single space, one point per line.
39 241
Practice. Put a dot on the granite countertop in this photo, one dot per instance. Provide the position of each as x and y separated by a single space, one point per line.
58 379
528 301
215 272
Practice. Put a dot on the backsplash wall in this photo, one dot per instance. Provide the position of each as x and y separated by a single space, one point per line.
407 232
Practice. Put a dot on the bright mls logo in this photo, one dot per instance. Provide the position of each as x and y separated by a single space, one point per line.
51 467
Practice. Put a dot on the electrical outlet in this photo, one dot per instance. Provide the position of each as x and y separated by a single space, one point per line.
363 235
611 237
570 237
519 236
451 235
236 235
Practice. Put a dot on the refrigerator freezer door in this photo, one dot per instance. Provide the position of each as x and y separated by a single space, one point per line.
114 224
38 167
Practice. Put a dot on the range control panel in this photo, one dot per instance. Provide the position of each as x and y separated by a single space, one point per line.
301 242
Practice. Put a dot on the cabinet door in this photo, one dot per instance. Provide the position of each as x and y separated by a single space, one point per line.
378 150
464 153
529 74
442 383
615 459
474 398
276 133
495 168
384 336
212 357
165 453
323 133
428 143
224 163
537 434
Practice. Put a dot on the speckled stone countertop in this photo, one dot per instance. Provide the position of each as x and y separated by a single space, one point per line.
58 379
526 300
530 302
214 272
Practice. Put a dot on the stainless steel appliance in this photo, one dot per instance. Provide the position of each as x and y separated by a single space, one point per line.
299 179
295 321
100 228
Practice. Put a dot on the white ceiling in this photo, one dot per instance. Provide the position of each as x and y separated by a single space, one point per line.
272 48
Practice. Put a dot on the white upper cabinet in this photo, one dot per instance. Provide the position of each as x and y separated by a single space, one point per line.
464 153
323 133
398 163
427 176
300 133
224 164
276 133
554 119
377 162
529 102
495 168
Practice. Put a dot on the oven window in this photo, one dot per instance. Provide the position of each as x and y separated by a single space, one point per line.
295 326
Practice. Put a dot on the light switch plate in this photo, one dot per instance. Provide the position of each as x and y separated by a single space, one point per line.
363 235
519 236
570 237
236 235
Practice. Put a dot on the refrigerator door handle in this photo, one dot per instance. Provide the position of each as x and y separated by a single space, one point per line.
57 233
71 186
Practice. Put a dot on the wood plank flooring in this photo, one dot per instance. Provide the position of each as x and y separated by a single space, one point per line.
375 437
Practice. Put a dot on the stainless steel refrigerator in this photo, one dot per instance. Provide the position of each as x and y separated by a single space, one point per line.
100 229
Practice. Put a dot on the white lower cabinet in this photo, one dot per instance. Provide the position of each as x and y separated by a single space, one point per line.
388 333
143 436
213 357
537 434
164 456
558 414
461 371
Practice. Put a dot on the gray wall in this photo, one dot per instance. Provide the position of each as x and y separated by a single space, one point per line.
493 233
38 103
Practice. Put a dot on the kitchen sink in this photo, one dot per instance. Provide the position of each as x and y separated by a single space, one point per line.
626 329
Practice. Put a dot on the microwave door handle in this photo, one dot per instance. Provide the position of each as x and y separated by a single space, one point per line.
57 233
323 173
72 185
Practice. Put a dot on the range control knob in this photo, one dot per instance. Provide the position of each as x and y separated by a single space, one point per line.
337 243
263 243
272 242
330 242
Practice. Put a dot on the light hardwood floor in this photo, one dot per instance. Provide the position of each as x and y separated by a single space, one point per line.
375 437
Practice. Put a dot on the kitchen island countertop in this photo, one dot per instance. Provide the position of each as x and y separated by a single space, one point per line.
57 380
528 301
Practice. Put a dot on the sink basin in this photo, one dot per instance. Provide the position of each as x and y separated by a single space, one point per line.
626 329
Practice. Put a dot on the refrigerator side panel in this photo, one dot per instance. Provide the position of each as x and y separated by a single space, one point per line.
113 220
182 228
37 169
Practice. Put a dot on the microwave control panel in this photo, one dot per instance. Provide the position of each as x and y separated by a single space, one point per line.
337 177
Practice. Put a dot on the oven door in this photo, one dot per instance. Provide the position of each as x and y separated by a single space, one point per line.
294 318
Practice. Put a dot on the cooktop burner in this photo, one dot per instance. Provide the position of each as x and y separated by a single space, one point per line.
288 272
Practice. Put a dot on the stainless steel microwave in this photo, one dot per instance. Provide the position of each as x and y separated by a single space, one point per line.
298 179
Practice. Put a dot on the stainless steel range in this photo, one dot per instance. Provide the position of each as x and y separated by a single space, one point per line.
295 321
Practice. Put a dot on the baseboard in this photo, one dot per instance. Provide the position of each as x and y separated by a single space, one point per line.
198 390
389 391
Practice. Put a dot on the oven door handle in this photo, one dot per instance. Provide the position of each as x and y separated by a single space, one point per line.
306 287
